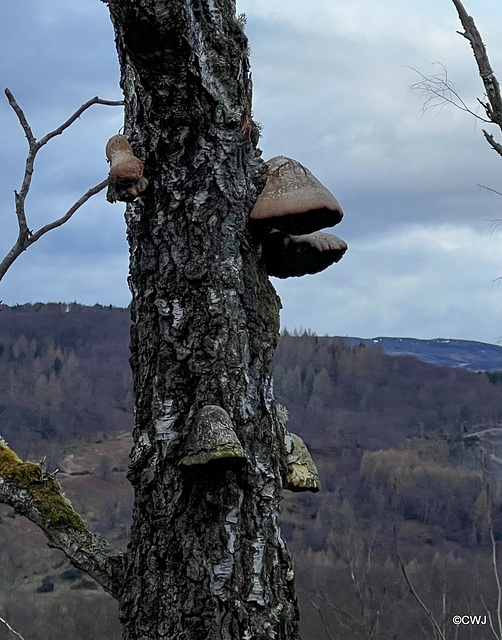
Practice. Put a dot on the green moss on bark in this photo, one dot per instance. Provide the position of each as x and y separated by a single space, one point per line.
55 507
12 468
43 489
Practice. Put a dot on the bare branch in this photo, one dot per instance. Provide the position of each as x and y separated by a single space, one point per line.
13 631
37 495
438 90
21 117
420 602
23 242
491 141
323 620
25 236
414 592
490 82
493 226
57 223
28 171
490 619
490 189
494 555
77 114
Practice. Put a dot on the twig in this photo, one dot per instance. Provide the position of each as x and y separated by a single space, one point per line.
11 629
438 90
490 620
77 114
413 591
492 142
21 117
491 189
323 620
57 223
493 225
26 237
494 556
29 238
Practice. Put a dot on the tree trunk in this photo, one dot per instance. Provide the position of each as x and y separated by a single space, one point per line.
206 559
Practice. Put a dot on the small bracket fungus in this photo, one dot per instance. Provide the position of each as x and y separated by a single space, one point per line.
287 256
126 180
212 439
293 200
302 474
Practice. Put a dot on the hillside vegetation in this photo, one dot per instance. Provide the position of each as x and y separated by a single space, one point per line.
394 440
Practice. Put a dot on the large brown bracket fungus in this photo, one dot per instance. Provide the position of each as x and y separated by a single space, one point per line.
125 180
293 200
287 217
287 256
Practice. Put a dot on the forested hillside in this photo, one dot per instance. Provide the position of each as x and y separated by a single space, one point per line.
394 440
64 375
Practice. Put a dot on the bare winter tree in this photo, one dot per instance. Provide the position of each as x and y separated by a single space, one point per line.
206 560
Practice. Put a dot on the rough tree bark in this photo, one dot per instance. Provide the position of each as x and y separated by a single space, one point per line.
206 559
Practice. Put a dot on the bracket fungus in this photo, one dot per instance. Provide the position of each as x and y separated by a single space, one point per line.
293 200
302 474
125 179
212 439
287 256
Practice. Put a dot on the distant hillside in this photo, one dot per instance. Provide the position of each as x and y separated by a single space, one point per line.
397 442
461 354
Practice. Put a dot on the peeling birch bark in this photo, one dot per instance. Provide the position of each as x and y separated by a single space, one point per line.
206 560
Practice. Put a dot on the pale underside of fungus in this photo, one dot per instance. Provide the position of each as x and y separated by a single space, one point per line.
293 200
125 179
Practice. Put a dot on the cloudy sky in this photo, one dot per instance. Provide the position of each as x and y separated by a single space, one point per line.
331 81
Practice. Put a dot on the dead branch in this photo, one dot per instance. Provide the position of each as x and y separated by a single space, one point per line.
37 495
27 237
491 141
323 620
493 107
429 613
437 90
494 556
498 193
490 620
13 631
23 242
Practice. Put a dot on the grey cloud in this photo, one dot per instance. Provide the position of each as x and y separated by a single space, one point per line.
330 91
